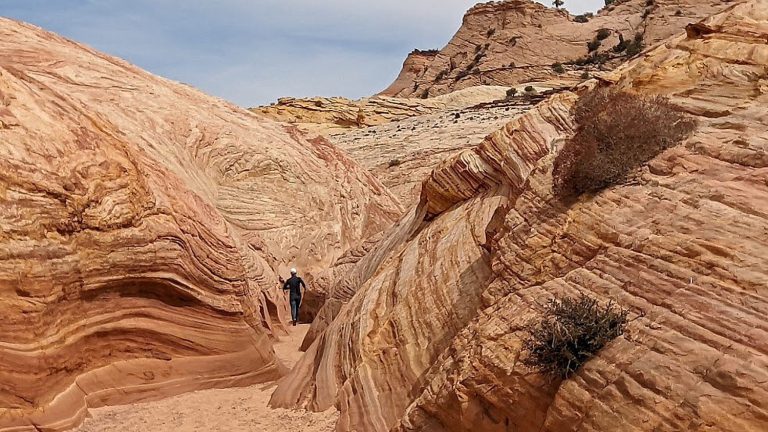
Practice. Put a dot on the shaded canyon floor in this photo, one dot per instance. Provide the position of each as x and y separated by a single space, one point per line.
232 410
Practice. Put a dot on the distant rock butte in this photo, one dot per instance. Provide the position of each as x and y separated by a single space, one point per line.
514 41
431 338
144 226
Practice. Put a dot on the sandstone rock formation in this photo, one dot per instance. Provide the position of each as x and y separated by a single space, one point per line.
432 338
513 41
332 115
401 155
144 225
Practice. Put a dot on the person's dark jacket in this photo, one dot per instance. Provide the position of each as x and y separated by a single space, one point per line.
294 284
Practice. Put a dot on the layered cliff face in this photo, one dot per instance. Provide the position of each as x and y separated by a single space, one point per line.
514 41
143 228
432 339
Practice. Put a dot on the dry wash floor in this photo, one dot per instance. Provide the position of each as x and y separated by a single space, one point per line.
231 410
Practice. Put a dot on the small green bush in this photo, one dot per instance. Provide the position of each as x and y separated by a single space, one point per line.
678 13
617 132
593 45
595 58
529 89
581 19
622 45
571 331
636 46
511 93
585 75
603 33
558 68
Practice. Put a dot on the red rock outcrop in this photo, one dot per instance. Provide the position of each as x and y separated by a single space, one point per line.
415 65
432 339
515 41
143 228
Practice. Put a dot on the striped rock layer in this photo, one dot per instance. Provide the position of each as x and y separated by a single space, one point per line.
143 229
431 340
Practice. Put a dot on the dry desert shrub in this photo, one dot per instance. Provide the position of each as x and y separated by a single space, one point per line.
617 132
571 332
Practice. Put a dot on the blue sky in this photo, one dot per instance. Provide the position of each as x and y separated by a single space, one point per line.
253 51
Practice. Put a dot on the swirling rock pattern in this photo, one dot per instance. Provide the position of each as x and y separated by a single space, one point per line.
432 339
143 228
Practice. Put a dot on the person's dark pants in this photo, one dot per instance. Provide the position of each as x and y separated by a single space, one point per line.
295 304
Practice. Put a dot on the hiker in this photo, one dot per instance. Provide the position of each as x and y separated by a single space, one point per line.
294 284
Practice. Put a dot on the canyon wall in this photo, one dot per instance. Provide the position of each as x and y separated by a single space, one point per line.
431 340
144 226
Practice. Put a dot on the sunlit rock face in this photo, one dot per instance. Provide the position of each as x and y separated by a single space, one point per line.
143 226
517 41
432 338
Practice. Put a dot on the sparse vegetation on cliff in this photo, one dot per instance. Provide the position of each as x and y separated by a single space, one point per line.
594 58
583 18
571 331
633 47
429 52
617 132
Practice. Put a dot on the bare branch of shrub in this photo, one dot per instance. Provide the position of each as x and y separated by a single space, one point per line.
617 132
572 331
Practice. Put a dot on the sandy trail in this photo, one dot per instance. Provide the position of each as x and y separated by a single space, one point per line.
231 410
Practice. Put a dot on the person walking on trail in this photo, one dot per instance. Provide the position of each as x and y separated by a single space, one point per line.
293 287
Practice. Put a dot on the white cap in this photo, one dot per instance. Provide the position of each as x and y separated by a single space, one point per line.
293 271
